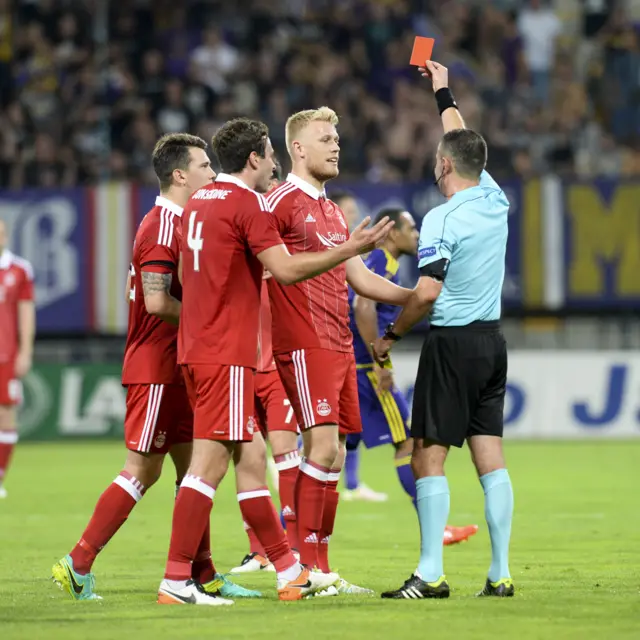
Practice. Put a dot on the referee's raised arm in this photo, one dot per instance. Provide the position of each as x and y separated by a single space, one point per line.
428 288
460 386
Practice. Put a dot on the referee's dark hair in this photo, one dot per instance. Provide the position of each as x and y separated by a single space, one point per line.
467 150
393 213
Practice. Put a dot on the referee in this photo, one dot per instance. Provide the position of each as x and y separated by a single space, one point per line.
460 387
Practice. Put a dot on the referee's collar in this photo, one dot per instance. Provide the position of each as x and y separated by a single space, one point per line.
463 191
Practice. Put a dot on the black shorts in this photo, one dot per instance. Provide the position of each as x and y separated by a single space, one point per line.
461 383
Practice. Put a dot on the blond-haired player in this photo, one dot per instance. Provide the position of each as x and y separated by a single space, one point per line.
312 341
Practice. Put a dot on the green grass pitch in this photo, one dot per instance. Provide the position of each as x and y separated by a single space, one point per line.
575 553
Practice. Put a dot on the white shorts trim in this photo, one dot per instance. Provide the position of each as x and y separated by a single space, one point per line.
151 420
302 383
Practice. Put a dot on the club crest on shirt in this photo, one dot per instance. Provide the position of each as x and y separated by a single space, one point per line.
9 280
161 438
251 425
324 408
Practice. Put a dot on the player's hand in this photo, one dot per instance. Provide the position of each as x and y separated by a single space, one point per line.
365 240
438 74
23 364
266 275
384 376
380 350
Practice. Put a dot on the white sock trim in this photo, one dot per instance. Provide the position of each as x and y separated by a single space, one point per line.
176 585
132 487
195 483
288 464
314 472
8 437
291 573
258 493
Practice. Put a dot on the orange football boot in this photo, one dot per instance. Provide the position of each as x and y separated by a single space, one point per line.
455 535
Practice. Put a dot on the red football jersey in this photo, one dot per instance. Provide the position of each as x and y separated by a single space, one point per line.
150 355
313 313
265 351
226 226
16 285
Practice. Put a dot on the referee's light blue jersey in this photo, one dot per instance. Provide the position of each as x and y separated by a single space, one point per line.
470 230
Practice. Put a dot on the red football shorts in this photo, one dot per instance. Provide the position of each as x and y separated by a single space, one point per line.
323 387
158 416
222 399
273 409
10 386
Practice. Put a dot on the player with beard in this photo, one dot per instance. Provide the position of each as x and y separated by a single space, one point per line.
312 341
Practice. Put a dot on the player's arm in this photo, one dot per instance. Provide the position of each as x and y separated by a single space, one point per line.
368 284
289 269
158 300
366 317
26 326
434 255
127 295
26 336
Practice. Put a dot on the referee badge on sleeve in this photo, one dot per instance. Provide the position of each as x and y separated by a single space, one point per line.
426 252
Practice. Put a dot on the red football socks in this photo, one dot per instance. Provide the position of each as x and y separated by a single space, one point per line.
254 543
259 513
309 505
287 466
111 512
190 517
203 569
8 441
331 499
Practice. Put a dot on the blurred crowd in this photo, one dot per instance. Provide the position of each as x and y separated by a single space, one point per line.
87 86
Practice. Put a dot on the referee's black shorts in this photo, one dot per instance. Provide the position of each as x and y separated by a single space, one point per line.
461 383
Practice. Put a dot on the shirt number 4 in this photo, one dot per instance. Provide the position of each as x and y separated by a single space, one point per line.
195 241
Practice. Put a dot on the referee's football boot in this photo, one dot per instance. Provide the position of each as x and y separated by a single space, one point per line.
501 589
415 588
79 587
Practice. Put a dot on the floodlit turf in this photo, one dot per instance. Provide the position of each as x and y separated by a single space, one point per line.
575 554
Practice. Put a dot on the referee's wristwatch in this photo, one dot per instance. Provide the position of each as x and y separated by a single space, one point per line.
389 334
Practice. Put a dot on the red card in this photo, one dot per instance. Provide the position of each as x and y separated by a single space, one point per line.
422 50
